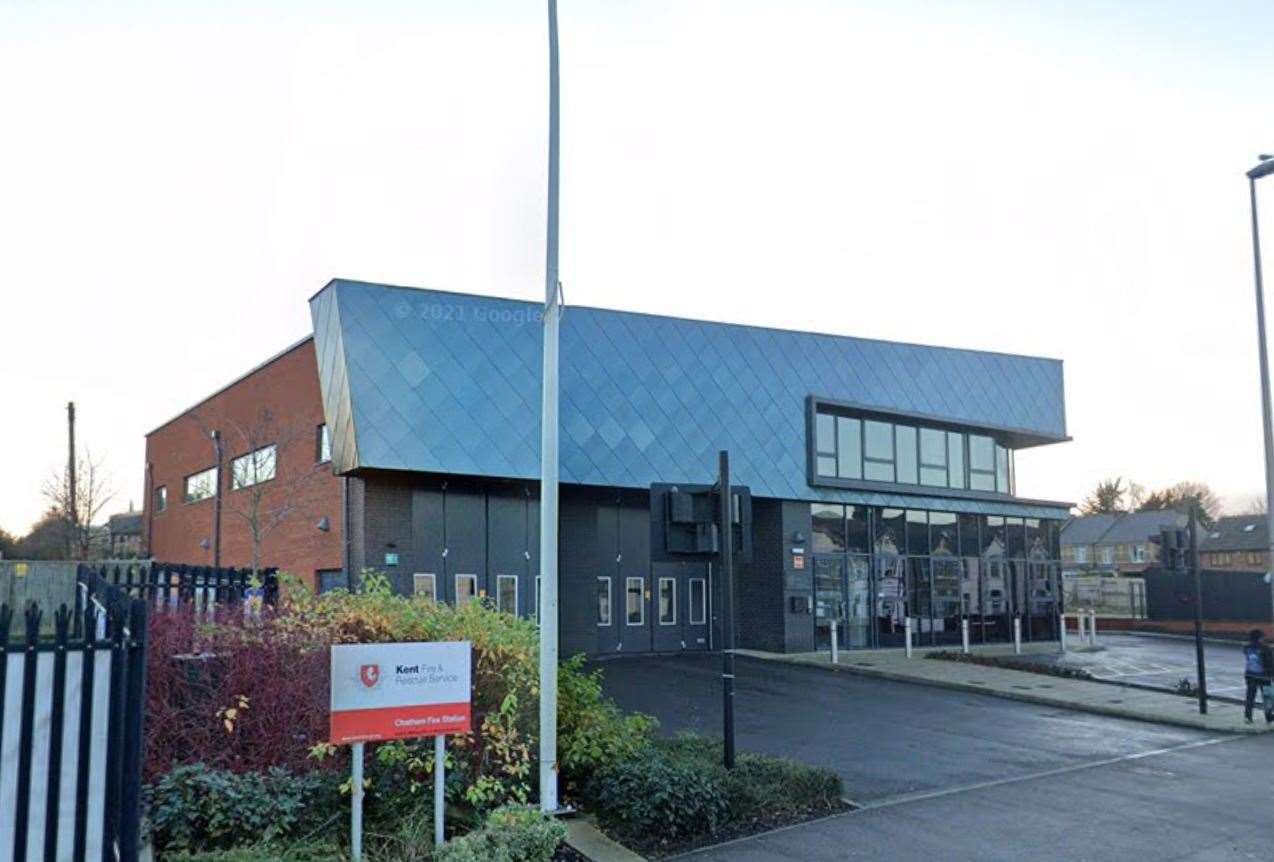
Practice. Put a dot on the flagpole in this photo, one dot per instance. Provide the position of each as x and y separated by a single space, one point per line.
548 461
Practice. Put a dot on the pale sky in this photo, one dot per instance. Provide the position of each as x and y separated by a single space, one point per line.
1062 179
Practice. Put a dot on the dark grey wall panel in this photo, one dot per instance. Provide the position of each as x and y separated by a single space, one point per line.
578 568
428 537
798 584
466 525
506 540
387 524
760 583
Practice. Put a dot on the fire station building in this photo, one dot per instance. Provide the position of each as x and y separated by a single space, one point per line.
403 436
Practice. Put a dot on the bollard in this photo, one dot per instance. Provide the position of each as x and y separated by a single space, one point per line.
1092 627
908 636
1017 635
835 651
964 633
1061 631
1079 621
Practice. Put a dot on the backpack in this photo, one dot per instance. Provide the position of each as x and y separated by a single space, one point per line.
1253 662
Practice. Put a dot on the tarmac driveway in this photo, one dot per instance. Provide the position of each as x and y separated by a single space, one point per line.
886 739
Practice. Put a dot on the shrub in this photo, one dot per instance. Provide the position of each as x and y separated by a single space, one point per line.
512 833
194 808
266 853
592 730
659 794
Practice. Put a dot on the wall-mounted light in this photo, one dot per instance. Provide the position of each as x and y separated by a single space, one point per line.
324 525
205 544
798 537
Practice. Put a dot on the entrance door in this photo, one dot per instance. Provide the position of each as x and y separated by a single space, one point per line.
890 600
668 605
829 600
948 608
696 616
858 620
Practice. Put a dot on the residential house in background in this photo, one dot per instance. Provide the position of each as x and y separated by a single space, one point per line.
1116 543
1237 543
124 533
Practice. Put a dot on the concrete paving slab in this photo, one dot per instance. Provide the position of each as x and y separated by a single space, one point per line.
1083 695
584 836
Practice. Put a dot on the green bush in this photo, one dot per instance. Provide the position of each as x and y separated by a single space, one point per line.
265 853
592 730
194 808
512 833
659 794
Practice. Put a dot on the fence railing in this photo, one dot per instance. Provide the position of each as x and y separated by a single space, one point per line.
71 738
167 586
1108 596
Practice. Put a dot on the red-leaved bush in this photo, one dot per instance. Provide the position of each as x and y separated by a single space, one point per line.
255 695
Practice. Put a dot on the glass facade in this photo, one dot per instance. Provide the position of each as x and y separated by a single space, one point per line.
875 568
853 448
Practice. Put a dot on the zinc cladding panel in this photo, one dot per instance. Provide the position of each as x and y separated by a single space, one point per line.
449 383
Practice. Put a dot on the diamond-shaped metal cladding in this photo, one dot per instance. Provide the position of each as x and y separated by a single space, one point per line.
644 399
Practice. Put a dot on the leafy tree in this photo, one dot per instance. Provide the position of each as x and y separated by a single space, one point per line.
1107 497
46 540
1181 497
8 545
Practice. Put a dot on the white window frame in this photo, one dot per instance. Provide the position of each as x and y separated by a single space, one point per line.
500 579
211 474
1107 555
425 577
1081 554
703 604
248 470
659 610
610 602
161 499
324 452
473 579
1138 553
641 606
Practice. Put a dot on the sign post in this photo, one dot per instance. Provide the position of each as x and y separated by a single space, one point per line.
398 691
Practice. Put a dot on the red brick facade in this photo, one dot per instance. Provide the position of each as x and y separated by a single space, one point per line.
303 492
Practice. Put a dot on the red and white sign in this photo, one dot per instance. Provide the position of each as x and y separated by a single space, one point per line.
397 691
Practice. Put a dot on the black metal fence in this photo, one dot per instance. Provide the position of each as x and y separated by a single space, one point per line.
71 742
1242 596
170 585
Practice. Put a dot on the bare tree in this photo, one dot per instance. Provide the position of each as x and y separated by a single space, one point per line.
1256 505
93 491
272 467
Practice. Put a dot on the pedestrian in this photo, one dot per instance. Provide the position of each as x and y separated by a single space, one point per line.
1258 671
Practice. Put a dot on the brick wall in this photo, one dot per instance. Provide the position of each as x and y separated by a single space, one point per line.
288 387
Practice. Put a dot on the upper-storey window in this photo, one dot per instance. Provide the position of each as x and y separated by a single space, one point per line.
201 485
875 450
322 445
253 468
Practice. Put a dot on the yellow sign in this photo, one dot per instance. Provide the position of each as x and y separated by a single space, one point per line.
20 569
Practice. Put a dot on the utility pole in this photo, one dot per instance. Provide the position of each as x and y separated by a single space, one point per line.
73 514
548 459
216 502
725 511
1198 607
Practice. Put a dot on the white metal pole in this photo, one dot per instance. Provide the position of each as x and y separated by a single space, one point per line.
1061 631
1092 627
356 803
440 785
907 635
548 459
964 634
835 651
1266 419
1017 634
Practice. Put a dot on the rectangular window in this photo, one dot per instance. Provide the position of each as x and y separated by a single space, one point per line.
905 455
253 468
201 485
1139 553
828 534
506 594
981 463
603 601
1107 555
955 459
878 451
1081 554
161 498
322 445
425 584
698 602
466 589
849 448
667 601
330 579
1002 469
825 443
635 602
933 457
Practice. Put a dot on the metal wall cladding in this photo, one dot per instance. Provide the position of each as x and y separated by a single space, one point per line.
447 383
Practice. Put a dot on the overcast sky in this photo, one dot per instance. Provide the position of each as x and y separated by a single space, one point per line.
1054 178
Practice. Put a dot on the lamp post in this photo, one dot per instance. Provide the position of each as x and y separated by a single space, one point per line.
1264 168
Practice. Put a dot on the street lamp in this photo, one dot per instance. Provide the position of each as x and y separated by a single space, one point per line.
1264 168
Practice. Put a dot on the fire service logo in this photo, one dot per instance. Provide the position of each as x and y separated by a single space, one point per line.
369 675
